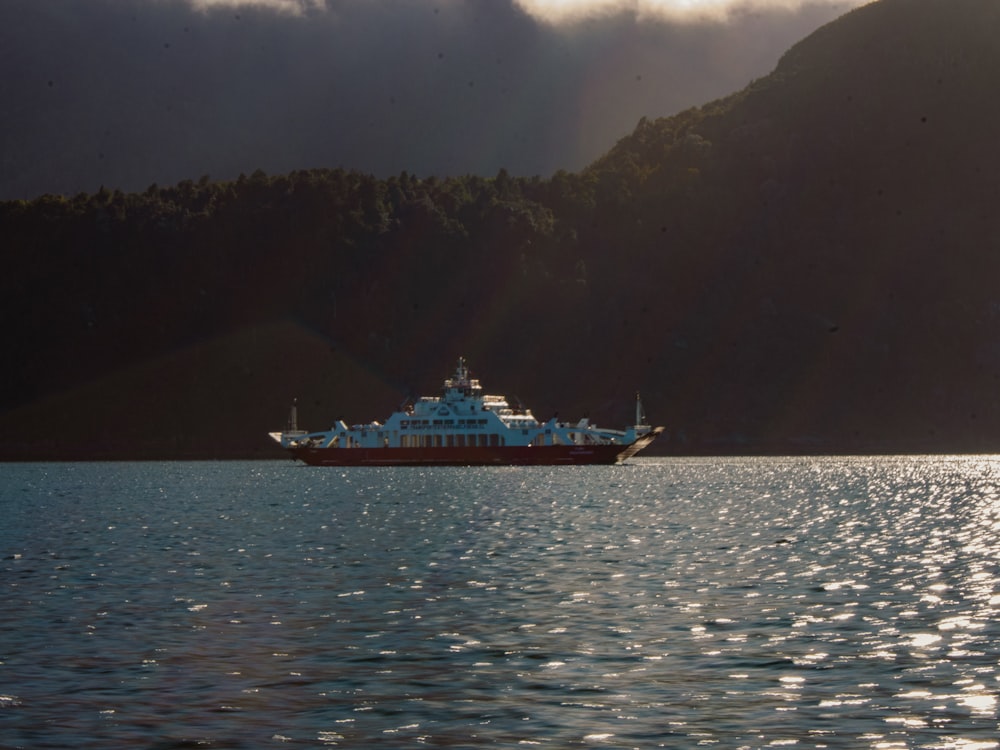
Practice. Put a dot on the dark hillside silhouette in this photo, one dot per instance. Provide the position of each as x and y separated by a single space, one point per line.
808 265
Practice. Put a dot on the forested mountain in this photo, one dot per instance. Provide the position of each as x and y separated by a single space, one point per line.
808 265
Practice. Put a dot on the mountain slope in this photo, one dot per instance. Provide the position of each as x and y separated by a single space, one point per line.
843 235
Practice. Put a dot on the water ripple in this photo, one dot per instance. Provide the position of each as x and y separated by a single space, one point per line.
736 603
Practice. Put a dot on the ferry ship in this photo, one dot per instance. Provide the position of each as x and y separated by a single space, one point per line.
463 426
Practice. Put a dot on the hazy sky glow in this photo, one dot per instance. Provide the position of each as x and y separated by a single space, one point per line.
675 10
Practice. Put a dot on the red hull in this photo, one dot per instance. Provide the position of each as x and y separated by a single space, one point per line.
550 455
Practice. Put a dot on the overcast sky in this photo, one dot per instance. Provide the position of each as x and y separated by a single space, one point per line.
126 93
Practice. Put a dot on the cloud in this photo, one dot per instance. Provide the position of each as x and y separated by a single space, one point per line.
126 93
563 11
293 7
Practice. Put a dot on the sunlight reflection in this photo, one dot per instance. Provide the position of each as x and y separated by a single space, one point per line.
978 702
960 743
923 640
857 604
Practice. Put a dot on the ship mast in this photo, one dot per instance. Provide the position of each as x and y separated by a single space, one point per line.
640 413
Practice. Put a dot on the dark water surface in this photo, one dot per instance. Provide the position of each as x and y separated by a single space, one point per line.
842 603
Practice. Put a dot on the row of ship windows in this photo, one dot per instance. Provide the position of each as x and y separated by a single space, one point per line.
450 441
424 424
